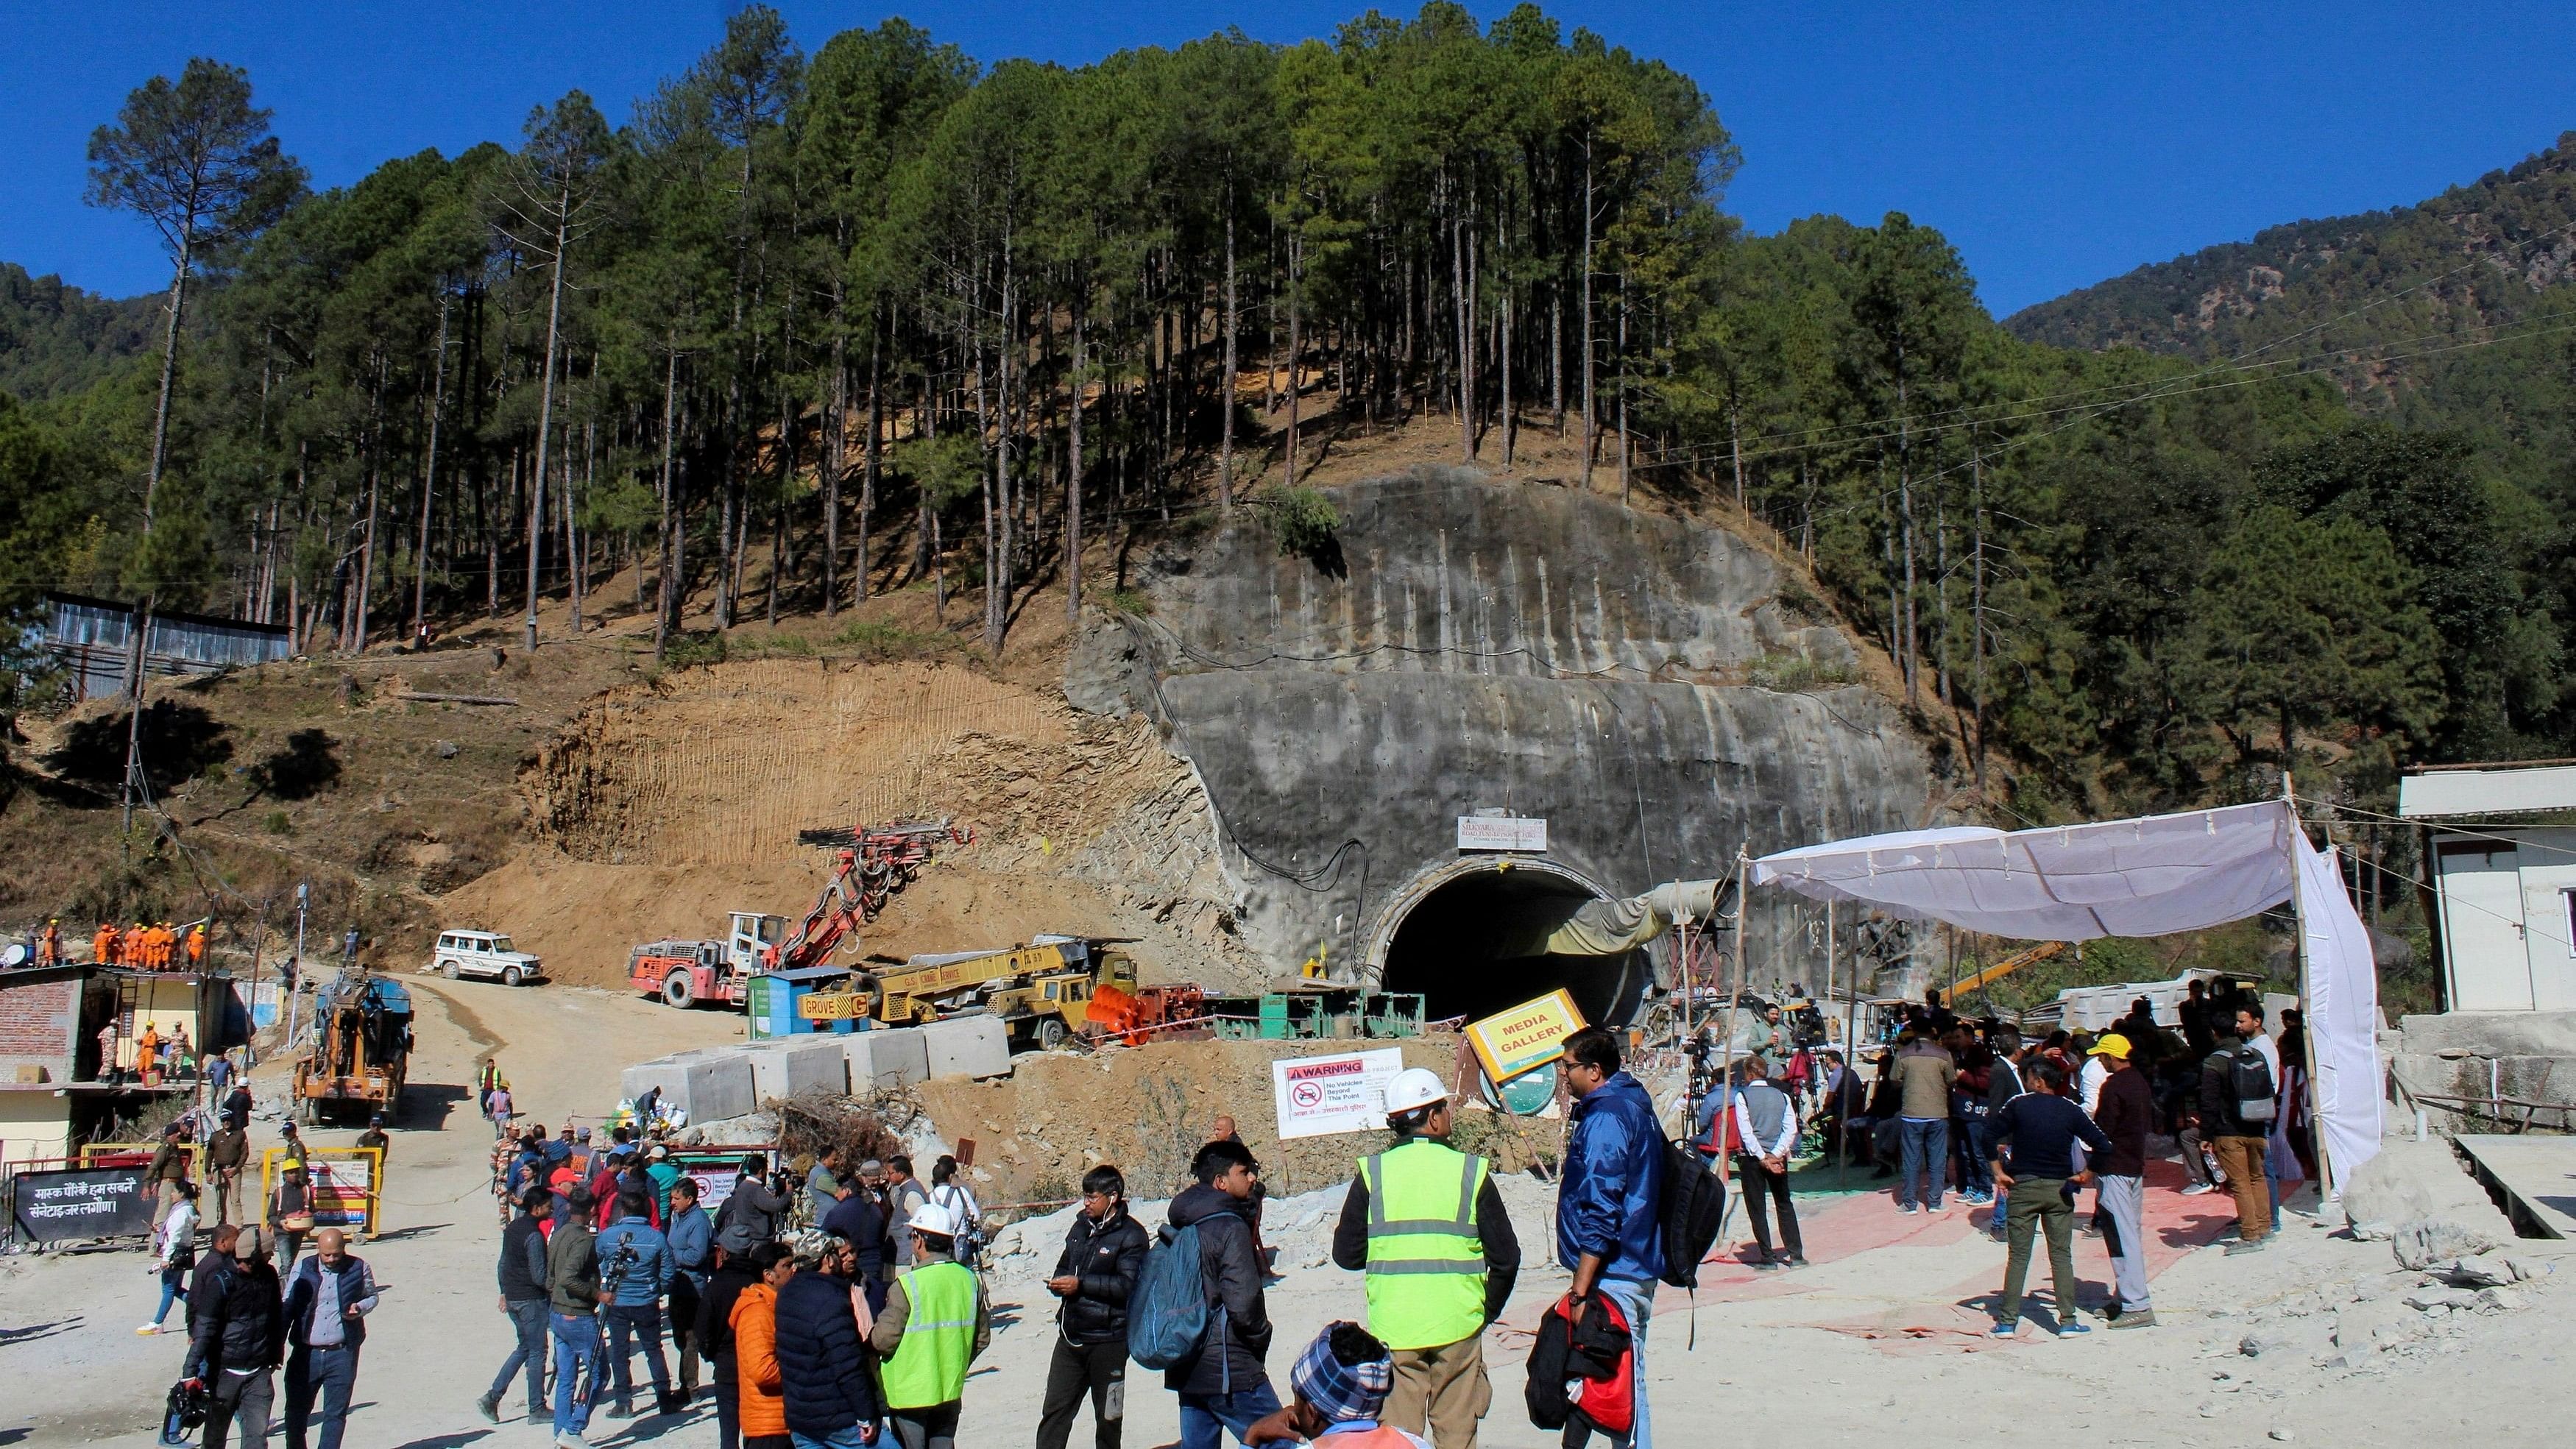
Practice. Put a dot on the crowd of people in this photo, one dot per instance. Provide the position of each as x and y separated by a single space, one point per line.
846 1308
143 946
1969 1109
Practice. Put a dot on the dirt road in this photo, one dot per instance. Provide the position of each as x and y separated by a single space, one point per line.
1881 1335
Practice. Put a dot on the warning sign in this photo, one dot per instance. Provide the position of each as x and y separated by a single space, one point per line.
1531 1034
1345 1092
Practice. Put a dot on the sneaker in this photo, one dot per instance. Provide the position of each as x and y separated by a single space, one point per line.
570 1439
2240 1248
2143 1318
1934 1205
1909 1210
149 1329
1795 1260
2197 1188
489 1406
2072 1327
2003 1330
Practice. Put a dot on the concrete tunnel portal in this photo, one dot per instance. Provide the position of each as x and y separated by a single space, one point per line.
1458 937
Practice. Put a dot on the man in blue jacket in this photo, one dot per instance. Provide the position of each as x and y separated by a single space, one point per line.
327 1302
1606 1201
635 1270
831 1397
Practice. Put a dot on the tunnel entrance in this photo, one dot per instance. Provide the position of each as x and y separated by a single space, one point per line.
1461 946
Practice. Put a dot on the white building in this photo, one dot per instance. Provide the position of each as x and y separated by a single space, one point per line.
2502 840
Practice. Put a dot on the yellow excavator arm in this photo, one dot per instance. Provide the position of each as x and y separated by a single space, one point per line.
2028 956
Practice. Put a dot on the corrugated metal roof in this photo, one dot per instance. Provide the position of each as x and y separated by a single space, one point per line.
2526 790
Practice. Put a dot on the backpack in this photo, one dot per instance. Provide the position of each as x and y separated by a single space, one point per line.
622 1261
1167 1311
1692 1210
1571 1358
2249 1077
1724 1135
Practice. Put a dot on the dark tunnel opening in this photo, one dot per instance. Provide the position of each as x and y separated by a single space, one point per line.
1458 946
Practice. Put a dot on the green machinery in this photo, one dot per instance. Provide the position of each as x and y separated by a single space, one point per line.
1312 1014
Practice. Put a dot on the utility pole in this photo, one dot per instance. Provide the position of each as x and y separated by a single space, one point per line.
295 963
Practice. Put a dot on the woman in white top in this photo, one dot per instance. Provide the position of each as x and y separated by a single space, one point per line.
174 1254
959 1199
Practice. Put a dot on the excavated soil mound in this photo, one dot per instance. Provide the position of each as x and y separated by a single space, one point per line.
1147 1109
662 806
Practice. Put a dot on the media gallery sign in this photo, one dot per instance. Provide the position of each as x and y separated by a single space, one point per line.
90 1202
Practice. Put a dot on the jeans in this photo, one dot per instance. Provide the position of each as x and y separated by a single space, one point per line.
1205 1417
684 1332
332 1371
840 1439
528 1318
2124 1198
2038 1203
577 1381
1637 1301
934 1427
728 1404
242 1401
1098 1369
174 1289
1975 1175
1927 1153
644 1321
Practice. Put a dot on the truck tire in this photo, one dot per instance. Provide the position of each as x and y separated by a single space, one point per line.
448 968
1050 1033
510 975
677 990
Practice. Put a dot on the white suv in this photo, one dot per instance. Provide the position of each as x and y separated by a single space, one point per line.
481 953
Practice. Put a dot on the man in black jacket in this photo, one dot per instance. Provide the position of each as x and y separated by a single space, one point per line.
2239 1143
327 1303
236 1338
1103 1252
822 1362
1223 1386
523 1298
733 1273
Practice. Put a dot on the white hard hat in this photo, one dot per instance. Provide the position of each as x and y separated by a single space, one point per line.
1414 1087
930 1217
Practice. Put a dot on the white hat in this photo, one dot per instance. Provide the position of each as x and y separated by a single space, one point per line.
1412 1088
930 1217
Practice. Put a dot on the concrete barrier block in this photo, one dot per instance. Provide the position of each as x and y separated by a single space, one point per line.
706 1085
885 1059
786 1066
968 1046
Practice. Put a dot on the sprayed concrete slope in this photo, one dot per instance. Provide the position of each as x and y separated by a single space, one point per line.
1462 645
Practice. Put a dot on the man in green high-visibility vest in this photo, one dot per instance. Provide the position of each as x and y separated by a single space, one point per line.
935 1322
1427 1225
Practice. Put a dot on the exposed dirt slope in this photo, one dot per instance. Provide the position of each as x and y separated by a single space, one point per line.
661 806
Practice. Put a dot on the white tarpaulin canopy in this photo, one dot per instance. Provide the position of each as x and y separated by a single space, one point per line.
2148 877
2153 876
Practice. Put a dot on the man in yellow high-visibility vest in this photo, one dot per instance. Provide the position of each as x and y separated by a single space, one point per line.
935 1322
1427 1225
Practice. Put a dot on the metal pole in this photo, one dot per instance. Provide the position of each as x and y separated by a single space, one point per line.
1851 1058
295 967
1743 939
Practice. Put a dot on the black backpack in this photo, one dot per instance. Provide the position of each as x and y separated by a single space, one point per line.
1691 1212
2249 1077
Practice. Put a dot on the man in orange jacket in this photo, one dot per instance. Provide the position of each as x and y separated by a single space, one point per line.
761 1387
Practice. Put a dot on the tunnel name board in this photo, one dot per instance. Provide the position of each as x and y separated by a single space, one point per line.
1502 832
1527 1036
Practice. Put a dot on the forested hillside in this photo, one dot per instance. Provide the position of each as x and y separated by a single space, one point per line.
57 339
806 328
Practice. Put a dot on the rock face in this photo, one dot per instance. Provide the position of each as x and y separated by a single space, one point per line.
1462 646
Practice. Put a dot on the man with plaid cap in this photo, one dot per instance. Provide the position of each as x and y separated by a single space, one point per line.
1340 1385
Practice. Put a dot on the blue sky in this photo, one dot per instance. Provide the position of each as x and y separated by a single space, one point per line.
2057 145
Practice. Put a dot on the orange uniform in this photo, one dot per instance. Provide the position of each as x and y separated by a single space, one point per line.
103 945
197 945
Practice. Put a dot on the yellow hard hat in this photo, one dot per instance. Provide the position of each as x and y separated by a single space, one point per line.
2112 1045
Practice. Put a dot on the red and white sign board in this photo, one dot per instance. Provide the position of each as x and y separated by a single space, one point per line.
1344 1092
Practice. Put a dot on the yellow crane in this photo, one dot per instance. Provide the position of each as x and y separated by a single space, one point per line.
2028 956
